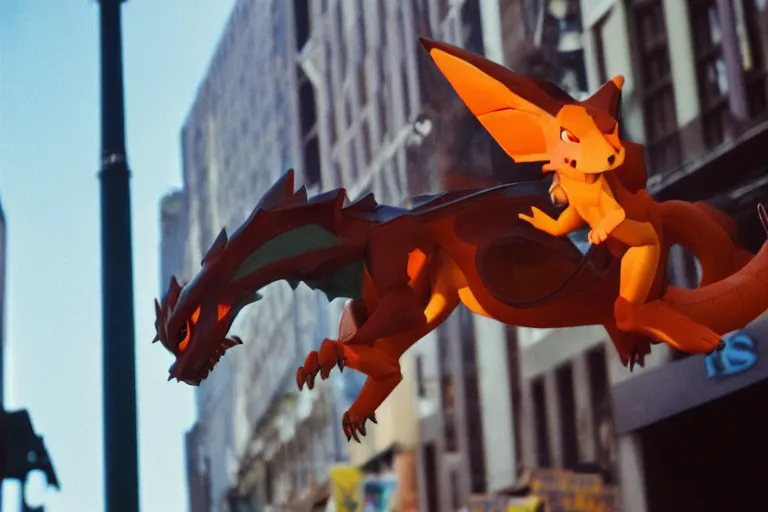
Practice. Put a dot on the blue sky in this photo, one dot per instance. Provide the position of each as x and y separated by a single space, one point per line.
49 157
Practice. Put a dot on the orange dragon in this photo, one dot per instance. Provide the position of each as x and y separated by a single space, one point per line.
406 270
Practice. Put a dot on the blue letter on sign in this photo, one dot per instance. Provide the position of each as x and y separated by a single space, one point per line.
738 355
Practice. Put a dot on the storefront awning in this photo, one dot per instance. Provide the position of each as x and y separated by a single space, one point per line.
682 385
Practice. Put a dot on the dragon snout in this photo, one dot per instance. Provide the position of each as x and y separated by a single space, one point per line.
194 368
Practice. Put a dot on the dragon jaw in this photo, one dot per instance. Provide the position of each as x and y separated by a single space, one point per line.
288 238
197 340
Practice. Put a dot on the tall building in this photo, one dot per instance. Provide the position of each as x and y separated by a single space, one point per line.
252 120
698 101
390 124
695 96
173 237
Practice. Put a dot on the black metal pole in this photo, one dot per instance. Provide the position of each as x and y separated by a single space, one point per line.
119 358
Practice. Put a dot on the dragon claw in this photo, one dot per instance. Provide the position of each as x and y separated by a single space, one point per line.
331 354
354 425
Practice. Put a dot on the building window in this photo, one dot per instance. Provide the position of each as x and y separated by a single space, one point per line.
472 406
406 91
365 136
382 18
360 82
312 161
382 107
602 416
710 65
342 43
301 14
568 437
752 21
429 457
360 32
449 414
308 118
540 423
472 28
307 109
421 389
598 42
348 110
658 96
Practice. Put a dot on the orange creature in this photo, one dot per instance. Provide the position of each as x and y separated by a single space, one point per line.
579 142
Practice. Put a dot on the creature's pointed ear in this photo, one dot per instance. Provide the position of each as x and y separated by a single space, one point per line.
280 190
510 106
608 97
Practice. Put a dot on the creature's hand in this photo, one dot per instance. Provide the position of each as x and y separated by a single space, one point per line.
548 167
539 220
606 226
598 235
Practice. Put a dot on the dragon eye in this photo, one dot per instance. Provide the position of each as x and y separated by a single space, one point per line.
567 136
182 337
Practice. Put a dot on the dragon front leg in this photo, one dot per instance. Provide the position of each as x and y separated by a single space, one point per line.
364 407
397 312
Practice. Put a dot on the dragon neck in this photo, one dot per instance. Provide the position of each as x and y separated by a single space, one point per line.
345 281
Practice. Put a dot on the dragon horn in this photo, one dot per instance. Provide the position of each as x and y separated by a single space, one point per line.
157 308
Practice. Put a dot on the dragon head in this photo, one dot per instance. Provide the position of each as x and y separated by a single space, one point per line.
286 237
193 327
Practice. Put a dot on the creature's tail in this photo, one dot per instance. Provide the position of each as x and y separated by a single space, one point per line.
707 233
731 303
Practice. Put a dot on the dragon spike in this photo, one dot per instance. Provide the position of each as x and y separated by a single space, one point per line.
280 190
156 338
301 194
173 292
157 308
297 198
217 246
174 287
228 343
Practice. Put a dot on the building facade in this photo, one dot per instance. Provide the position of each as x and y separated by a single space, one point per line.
695 96
700 109
249 123
388 123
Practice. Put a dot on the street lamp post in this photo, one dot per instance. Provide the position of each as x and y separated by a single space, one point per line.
119 359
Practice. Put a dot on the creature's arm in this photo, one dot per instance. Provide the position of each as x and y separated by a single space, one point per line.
612 216
568 221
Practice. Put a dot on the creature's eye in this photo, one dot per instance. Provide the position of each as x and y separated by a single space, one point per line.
567 136
182 337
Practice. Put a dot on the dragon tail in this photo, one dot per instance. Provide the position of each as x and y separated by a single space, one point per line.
708 234
731 303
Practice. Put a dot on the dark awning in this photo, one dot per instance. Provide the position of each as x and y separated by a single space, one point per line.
682 385
720 169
